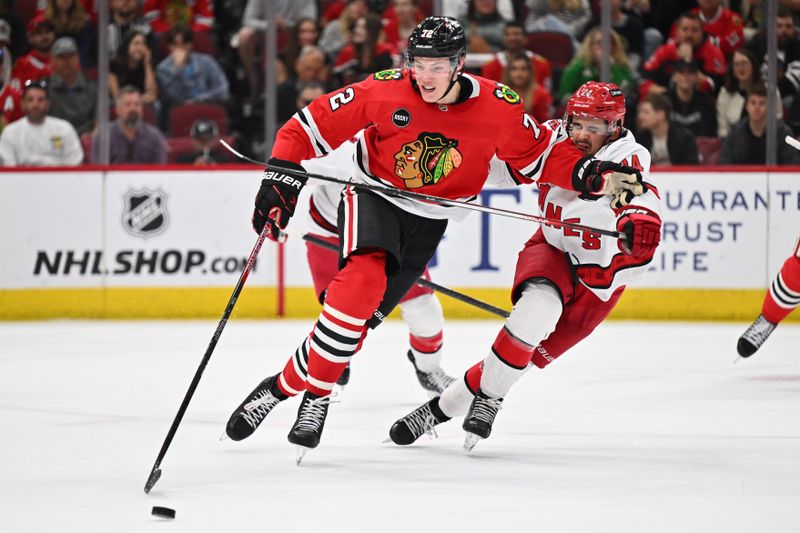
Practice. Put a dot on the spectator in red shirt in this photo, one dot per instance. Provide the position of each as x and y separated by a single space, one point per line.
520 77
164 14
37 63
514 41
724 26
689 45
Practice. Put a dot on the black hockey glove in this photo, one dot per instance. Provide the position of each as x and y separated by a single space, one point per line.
595 178
277 197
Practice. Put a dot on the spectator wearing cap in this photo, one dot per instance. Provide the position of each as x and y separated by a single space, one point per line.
37 63
69 19
189 77
668 143
72 96
746 144
692 109
207 151
36 139
131 139
689 44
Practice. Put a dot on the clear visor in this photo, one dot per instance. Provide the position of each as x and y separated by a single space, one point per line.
590 125
431 66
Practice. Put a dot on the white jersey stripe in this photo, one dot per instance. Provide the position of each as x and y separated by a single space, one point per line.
315 130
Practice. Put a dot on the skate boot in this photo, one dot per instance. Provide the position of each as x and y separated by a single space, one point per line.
418 422
435 381
252 411
344 378
754 337
479 419
307 429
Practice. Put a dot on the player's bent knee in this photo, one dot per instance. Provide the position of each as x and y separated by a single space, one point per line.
536 312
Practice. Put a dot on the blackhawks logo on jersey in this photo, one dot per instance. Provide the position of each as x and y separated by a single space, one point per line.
505 93
426 160
388 75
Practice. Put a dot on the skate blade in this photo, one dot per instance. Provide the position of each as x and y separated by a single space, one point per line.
301 452
224 436
470 440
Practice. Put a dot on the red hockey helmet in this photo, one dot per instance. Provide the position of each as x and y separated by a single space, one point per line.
594 99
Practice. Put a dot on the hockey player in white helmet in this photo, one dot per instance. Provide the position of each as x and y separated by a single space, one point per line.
566 281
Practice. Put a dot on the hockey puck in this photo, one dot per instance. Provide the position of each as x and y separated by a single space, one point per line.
163 512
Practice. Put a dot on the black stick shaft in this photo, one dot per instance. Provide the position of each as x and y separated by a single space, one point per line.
461 297
428 198
155 473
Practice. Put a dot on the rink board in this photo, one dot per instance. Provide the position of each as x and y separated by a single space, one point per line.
170 243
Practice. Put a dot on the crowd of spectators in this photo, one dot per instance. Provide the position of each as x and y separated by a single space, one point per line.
693 71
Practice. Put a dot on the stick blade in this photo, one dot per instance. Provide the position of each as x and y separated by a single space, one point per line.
791 141
152 479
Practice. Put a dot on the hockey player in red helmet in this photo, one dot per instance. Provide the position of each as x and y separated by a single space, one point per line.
430 127
566 281
603 106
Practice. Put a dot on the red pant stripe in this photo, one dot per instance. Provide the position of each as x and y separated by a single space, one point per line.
426 344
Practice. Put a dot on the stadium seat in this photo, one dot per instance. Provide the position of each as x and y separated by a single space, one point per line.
555 46
708 148
181 118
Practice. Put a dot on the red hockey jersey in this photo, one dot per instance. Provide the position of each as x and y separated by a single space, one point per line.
442 150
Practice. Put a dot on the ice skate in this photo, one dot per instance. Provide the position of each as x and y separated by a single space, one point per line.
307 429
252 411
754 337
479 419
418 422
435 381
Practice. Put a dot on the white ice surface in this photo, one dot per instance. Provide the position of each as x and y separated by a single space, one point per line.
644 427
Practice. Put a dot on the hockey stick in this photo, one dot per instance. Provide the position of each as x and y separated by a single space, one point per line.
427 198
791 141
155 473
461 297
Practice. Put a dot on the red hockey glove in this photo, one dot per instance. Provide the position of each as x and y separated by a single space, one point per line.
277 197
642 229
599 178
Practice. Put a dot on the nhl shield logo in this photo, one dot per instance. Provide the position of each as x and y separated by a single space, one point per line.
145 213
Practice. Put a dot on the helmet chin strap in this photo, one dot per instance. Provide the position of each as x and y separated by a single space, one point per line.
453 81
